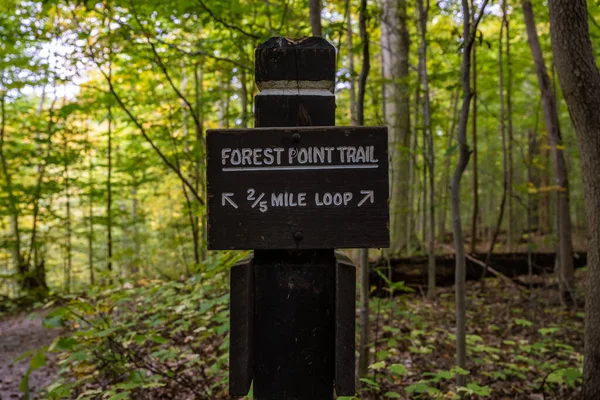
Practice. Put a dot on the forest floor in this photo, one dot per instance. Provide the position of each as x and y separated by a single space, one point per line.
20 334
168 339
520 344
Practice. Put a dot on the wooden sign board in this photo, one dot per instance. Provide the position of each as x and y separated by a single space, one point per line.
298 188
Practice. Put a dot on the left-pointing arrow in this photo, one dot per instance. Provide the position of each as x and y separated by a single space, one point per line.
225 198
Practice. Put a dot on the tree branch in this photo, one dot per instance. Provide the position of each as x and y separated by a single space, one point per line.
148 139
163 68
191 53
226 24
138 124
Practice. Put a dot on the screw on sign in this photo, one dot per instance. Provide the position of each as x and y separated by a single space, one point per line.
293 189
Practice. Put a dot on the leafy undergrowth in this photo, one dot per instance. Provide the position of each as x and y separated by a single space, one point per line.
518 347
147 340
168 340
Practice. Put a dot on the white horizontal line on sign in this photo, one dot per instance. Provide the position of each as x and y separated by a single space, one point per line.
300 167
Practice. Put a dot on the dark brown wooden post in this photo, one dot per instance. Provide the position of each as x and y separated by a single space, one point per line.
293 302
294 331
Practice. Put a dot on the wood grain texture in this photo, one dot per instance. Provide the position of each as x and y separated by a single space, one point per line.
294 325
241 336
345 303
306 59
299 110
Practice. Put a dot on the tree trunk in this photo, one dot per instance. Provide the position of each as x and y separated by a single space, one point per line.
395 53
446 171
511 229
91 222
315 17
33 248
136 262
545 207
69 260
475 214
244 98
351 64
505 168
425 189
414 222
39 277
580 82
200 152
17 258
423 19
363 360
184 122
410 223
565 246
531 218
463 160
109 239
533 179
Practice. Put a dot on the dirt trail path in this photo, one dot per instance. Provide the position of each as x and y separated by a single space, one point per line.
18 335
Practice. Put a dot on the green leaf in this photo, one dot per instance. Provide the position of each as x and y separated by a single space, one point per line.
523 322
104 333
421 387
445 375
139 339
158 339
119 396
24 385
479 390
22 356
55 321
474 339
79 356
392 395
399 369
63 344
59 391
460 371
370 382
382 355
136 377
377 366
38 361
548 331
572 376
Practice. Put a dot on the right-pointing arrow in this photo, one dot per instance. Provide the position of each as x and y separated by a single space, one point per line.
225 198
368 195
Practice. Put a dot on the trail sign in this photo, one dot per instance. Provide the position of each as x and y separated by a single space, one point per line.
298 188
293 195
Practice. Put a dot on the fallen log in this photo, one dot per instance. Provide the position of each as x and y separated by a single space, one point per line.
413 270
512 281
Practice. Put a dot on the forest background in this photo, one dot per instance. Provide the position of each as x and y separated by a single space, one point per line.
104 106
